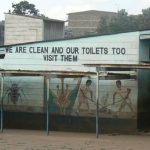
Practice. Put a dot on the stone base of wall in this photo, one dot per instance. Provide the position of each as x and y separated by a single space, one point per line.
37 121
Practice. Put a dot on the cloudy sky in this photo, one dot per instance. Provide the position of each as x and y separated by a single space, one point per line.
58 9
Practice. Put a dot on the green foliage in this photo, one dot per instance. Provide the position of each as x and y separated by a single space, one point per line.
119 23
123 22
25 8
145 19
103 26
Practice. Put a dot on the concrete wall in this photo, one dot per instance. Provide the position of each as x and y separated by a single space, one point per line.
24 93
26 108
70 55
53 30
83 23
26 120
20 29
144 99
1 33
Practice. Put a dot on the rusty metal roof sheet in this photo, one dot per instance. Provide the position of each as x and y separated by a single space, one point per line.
52 73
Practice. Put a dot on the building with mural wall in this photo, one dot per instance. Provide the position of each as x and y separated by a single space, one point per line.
123 93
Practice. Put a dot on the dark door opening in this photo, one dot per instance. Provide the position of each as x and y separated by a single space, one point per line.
144 100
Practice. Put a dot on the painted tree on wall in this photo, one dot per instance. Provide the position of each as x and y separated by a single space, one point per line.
25 8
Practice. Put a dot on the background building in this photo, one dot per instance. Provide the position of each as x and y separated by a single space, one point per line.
20 29
1 33
86 22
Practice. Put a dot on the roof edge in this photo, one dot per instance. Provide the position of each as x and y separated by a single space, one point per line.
37 17
90 11
63 39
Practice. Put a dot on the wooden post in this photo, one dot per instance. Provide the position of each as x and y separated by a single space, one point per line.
97 106
47 128
1 97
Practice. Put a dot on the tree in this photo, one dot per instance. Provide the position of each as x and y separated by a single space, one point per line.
123 22
103 26
144 19
133 23
25 8
120 22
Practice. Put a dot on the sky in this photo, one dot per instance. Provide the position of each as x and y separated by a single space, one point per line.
58 9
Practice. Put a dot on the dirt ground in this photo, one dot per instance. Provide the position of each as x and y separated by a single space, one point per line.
38 140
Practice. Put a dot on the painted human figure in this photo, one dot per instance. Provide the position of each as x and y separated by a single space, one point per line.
123 93
85 94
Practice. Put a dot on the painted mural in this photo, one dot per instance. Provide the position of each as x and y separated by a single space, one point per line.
63 94
23 93
124 98
72 96
118 98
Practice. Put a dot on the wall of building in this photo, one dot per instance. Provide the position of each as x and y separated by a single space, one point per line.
85 23
2 33
144 99
24 93
25 108
65 93
20 29
144 86
67 97
70 55
53 30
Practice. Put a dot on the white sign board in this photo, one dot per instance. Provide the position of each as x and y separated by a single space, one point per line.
70 55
